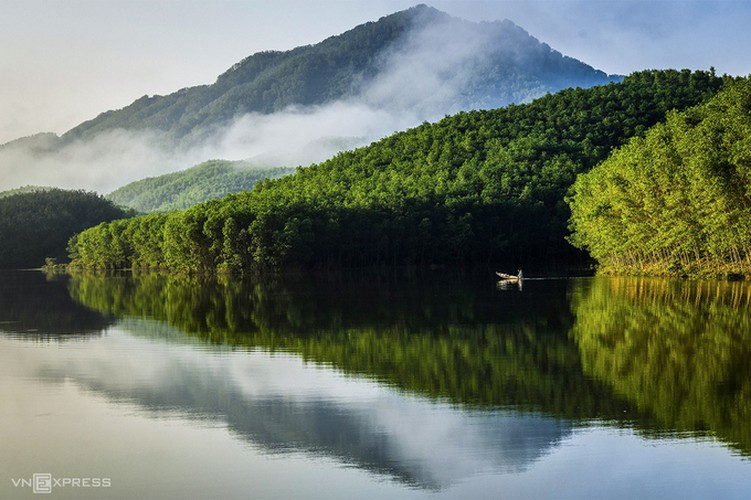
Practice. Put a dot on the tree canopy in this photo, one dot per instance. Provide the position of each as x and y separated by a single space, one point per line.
180 190
677 201
37 224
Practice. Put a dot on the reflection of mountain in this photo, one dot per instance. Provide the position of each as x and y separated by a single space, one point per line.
680 350
444 337
281 404
34 307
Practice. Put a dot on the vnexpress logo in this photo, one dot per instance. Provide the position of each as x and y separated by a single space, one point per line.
42 483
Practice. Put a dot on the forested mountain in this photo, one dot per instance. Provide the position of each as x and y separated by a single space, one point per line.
677 201
38 224
479 186
486 65
181 190
302 106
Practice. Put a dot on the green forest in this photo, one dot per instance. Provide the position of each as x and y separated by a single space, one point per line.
676 201
477 187
36 223
180 190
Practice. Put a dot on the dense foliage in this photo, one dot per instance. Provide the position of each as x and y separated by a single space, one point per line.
38 224
181 190
476 187
510 67
677 201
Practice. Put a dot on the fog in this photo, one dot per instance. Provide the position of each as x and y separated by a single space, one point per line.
296 136
422 81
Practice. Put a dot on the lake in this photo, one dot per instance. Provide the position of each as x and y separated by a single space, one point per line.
373 385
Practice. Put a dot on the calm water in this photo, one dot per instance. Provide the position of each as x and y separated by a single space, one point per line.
371 386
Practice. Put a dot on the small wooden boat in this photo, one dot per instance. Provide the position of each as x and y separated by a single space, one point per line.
510 278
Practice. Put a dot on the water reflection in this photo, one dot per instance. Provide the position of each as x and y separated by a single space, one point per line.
282 404
445 338
34 306
427 381
664 356
679 350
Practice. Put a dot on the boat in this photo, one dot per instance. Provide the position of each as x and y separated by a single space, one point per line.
511 278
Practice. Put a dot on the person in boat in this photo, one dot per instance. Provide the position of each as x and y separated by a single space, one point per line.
511 277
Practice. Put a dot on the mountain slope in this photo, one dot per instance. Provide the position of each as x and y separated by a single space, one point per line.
475 65
180 190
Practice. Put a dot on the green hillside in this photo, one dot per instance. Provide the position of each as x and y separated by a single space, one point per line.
38 224
508 65
181 190
477 187
677 201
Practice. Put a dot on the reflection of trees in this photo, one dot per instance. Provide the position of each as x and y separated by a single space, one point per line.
446 338
674 352
33 306
680 350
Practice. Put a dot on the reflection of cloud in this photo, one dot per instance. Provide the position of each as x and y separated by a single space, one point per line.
282 404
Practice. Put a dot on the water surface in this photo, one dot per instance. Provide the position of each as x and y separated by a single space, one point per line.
374 386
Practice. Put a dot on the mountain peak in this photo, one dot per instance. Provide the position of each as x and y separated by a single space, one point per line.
419 62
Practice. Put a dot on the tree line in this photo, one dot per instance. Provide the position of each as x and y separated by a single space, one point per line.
36 223
676 201
477 187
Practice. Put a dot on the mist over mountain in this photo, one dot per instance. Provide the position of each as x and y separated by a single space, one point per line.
303 105
398 62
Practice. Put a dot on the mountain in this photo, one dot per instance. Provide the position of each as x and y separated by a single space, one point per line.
392 61
302 106
180 190
23 190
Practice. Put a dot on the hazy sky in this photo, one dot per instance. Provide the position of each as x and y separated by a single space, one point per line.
65 61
